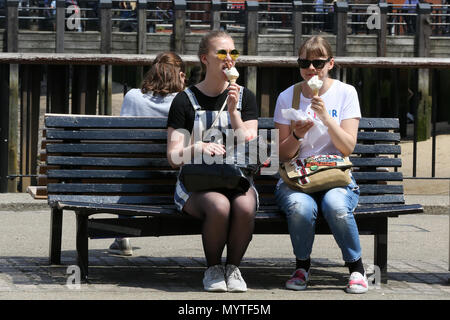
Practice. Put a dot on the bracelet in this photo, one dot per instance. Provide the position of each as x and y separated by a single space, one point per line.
295 136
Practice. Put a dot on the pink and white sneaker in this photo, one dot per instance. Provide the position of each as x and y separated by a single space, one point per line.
298 280
357 283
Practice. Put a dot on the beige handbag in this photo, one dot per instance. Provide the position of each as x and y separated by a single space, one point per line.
316 173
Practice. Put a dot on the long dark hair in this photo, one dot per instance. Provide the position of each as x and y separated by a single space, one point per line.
164 75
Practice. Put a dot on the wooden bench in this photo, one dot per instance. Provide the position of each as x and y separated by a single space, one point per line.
118 165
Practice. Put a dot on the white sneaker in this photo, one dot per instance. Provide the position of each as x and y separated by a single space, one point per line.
357 283
235 282
214 279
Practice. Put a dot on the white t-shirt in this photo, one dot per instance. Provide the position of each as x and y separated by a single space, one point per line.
341 101
136 103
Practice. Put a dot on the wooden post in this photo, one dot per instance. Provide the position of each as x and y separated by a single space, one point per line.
105 92
105 26
142 36
422 46
142 26
297 25
10 158
179 25
31 76
4 126
423 28
60 25
382 32
12 25
340 10
251 11
215 14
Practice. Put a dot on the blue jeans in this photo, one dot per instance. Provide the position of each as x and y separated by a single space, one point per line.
337 206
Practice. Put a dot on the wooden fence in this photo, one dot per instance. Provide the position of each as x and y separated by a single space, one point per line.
252 37
81 84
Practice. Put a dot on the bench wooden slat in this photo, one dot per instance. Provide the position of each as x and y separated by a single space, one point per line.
381 199
145 199
155 200
111 174
162 162
106 148
165 174
145 134
377 149
383 176
379 136
170 211
86 121
101 188
108 161
376 162
379 123
115 134
161 148
92 188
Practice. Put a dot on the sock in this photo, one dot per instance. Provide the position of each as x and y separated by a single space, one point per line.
356 266
304 264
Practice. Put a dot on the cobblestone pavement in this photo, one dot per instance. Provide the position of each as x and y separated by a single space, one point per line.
172 267
180 278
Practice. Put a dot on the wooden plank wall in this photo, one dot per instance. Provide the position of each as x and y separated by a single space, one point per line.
268 45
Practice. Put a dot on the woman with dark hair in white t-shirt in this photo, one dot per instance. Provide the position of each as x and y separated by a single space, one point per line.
336 109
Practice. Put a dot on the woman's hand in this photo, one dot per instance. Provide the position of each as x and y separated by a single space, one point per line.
318 106
210 148
233 98
301 127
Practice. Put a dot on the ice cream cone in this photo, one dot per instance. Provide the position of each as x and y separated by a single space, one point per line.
232 75
233 80
315 84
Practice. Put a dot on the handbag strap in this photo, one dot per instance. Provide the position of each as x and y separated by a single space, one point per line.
296 98
296 95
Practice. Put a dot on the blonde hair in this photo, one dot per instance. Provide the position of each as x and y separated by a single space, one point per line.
205 44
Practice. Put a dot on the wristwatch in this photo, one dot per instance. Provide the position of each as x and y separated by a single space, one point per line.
295 136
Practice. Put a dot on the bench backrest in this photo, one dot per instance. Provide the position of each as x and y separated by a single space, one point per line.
112 159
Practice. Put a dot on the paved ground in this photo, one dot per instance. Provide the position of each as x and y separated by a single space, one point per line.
172 267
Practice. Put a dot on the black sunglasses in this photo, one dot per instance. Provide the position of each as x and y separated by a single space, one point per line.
318 64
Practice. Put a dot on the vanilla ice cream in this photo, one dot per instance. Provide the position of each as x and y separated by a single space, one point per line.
232 74
315 84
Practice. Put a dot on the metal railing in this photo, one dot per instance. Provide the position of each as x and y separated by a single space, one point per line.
273 17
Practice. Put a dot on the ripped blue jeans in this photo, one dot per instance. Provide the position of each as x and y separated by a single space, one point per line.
337 206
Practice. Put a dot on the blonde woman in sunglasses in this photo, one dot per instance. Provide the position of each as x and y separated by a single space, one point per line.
336 106
228 216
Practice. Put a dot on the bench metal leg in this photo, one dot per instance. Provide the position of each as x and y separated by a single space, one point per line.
82 245
380 247
56 219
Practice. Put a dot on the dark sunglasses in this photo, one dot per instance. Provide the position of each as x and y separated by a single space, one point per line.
318 64
222 54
